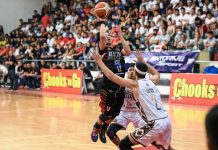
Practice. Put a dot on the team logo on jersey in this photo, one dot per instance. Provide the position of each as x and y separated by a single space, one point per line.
108 108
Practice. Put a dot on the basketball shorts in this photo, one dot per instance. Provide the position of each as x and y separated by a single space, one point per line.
159 131
124 118
111 102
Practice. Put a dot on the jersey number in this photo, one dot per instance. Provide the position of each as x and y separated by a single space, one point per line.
119 68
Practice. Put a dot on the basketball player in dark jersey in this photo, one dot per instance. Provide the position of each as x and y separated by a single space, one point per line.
111 94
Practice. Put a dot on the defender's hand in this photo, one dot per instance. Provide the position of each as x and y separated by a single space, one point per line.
95 55
139 56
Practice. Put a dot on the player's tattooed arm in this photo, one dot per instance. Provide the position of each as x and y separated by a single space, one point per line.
132 84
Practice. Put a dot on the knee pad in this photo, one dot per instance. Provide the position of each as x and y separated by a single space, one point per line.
125 144
112 130
111 134
103 117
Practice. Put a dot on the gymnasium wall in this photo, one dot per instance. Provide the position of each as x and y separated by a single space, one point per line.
12 10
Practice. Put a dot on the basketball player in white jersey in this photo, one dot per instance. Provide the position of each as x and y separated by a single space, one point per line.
128 113
157 129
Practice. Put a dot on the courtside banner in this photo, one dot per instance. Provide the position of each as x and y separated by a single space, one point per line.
196 89
62 81
168 62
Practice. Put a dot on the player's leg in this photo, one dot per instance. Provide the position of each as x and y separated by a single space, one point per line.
163 141
102 122
102 118
126 143
103 130
137 120
96 128
144 136
111 133
112 109
120 122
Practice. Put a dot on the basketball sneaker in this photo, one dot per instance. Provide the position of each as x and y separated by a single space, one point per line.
94 136
102 136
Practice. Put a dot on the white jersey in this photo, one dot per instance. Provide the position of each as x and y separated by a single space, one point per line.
129 102
3 69
149 102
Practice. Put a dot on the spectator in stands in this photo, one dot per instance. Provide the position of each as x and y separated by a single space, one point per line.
49 28
211 124
78 53
171 29
68 19
11 62
210 44
183 43
86 74
34 76
2 53
189 7
154 40
26 73
191 26
164 38
64 66
207 6
59 26
3 74
210 21
44 65
36 15
97 83
2 40
177 18
177 37
19 70
58 52
21 53
45 20
54 65
184 18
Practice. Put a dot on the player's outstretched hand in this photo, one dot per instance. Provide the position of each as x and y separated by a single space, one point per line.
95 55
139 56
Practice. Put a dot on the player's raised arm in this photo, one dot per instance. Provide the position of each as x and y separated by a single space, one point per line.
126 48
155 74
111 76
103 38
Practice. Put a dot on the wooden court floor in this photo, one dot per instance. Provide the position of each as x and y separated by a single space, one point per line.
36 121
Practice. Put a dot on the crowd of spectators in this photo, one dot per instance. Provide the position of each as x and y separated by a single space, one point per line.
65 31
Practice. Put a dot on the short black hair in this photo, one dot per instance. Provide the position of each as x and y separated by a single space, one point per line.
210 32
211 124
141 67
209 13
131 65
182 8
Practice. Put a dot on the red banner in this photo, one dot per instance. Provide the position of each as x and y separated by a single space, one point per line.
197 89
62 81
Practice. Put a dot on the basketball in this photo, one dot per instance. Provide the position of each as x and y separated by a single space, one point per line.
102 10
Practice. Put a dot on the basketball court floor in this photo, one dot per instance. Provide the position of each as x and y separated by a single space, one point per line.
35 121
